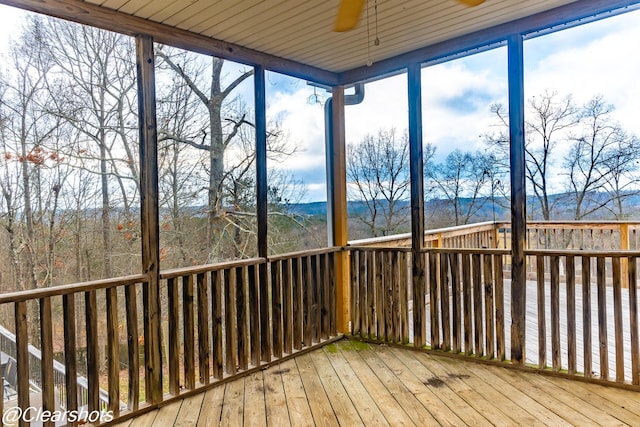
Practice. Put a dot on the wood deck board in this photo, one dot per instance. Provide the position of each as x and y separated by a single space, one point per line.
392 411
367 408
276 404
448 397
352 383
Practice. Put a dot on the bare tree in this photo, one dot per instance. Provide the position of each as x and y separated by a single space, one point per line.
600 160
220 126
463 180
549 119
96 70
378 175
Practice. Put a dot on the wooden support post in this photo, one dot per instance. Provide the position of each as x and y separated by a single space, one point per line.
417 202
518 198
261 195
145 65
338 194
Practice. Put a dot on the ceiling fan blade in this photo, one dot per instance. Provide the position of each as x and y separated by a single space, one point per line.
471 2
348 15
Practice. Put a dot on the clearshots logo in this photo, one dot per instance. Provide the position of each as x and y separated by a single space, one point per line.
31 414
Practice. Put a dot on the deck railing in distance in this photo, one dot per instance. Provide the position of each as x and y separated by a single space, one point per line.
582 304
217 321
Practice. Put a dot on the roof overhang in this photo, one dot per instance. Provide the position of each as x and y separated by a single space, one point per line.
296 37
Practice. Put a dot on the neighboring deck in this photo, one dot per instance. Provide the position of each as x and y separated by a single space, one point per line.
351 383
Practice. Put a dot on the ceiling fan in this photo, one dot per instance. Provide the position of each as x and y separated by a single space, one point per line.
350 10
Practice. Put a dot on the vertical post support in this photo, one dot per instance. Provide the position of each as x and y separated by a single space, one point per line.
261 195
145 66
417 201
518 197
338 195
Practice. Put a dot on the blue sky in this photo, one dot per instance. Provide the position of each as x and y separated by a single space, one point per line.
595 58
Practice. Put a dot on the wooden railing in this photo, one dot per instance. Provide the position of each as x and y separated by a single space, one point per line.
223 320
582 303
463 306
480 235
218 321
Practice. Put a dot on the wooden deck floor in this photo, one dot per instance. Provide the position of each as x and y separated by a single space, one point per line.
350 383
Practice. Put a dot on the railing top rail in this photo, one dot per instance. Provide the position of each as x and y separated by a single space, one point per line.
578 252
488 251
309 252
378 248
185 271
483 251
32 294
605 224
447 231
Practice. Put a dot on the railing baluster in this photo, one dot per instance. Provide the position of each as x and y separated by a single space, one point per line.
266 315
556 356
325 292
93 373
277 280
287 301
113 350
456 302
188 325
173 330
46 363
307 298
317 297
331 272
362 274
71 366
477 305
571 313
467 292
404 298
602 318
298 313
254 316
379 293
204 349
217 321
354 262
131 308
488 304
22 357
633 321
241 318
231 337
388 296
542 322
396 301
586 316
444 302
500 333
433 300
617 318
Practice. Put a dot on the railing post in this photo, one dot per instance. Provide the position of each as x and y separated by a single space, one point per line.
624 261
145 66
518 197
417 202
338 195
262 212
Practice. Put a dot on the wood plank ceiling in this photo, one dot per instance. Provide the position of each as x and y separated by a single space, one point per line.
302 30
296 37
